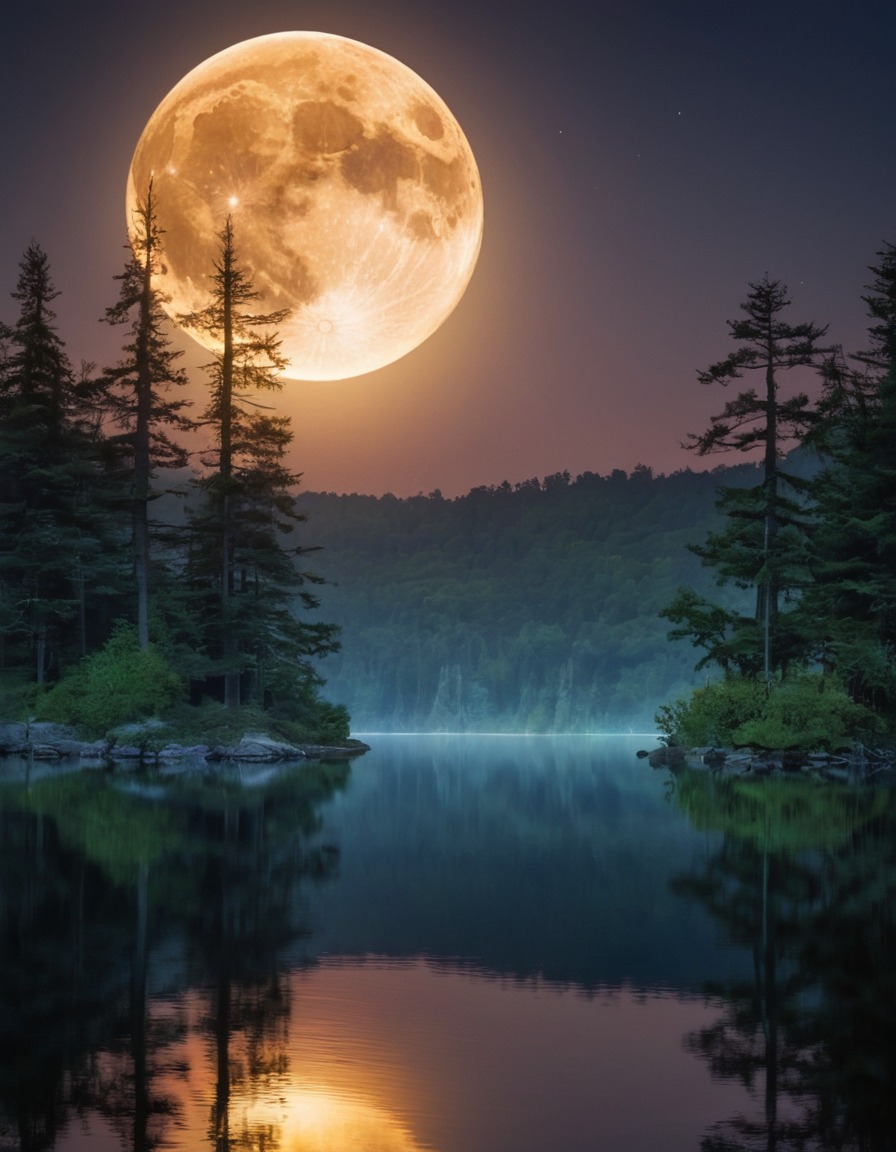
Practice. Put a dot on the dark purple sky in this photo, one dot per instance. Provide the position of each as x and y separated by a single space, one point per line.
641 163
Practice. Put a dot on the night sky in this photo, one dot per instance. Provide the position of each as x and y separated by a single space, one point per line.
641 163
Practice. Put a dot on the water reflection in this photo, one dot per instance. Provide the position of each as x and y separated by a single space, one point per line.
317 1120
250 1088
415 1057
539 859
458 946
114 891
804 879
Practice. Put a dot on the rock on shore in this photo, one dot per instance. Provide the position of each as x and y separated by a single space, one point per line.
53 742
859 764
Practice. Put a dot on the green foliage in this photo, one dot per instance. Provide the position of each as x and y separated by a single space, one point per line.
322 723
729 639
529 607
763 543
117 685
806 711
302 716
851 607
310 721
58 543
712 714
136 390
242 566
222 597
819 549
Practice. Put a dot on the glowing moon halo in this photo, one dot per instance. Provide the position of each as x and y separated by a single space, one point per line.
356 199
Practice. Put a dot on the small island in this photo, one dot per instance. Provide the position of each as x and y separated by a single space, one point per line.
155 603
810 670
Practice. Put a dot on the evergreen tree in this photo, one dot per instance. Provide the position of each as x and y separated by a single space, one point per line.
850 396
881 356
139 388
763 543
241 555
851 608
53 545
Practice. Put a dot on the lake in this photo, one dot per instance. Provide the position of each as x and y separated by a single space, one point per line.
457 944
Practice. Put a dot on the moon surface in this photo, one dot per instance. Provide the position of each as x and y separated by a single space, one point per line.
355 197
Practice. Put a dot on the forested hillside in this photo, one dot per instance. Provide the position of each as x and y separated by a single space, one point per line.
529 607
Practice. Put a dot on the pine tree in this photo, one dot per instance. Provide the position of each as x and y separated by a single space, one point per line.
851 608
139 388
54 549
881 356
240 552
850 396
763 544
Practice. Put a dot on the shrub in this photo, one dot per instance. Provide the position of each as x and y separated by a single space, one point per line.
805 711
808 711
712 714
117 685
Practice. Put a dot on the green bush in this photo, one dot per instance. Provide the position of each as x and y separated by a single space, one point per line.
808 711
804 712
711 715
117 685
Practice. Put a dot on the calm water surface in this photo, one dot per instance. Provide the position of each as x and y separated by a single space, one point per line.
460 944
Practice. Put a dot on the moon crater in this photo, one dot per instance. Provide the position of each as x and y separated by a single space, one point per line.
356 199
324 127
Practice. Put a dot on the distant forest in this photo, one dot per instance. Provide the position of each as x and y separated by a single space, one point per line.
529 607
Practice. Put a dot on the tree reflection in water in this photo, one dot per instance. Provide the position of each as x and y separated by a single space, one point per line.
151 952
806 878
99 873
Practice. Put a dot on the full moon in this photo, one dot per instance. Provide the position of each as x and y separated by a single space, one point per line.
355 197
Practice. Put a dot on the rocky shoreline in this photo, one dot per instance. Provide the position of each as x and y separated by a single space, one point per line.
53 743
859 765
